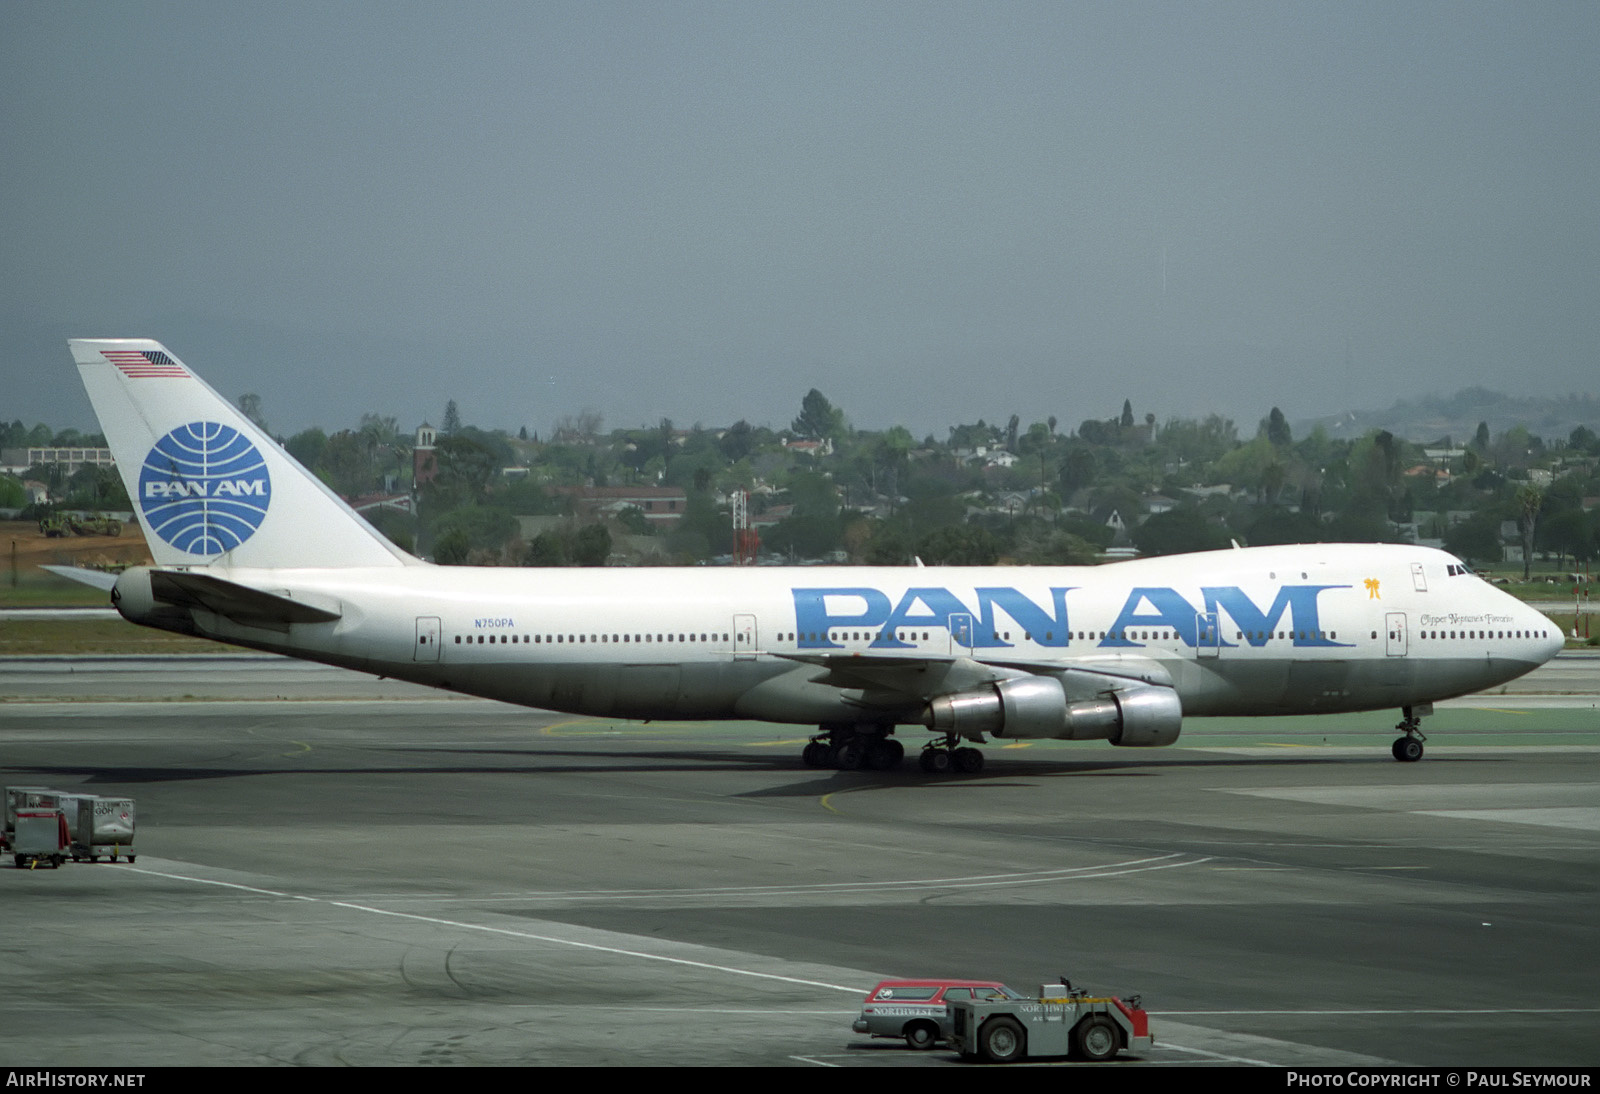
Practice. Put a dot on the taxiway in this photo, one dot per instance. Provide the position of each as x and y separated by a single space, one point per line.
339 870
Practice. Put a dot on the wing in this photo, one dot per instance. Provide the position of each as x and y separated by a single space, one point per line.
898 678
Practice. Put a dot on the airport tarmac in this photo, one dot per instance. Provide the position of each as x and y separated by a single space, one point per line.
335 870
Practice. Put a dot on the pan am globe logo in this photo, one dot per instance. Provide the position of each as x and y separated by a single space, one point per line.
204 488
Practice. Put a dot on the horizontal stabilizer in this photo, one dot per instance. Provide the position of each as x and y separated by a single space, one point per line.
240 603
98 578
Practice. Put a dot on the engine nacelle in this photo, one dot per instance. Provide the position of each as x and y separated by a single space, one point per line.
1151 717
1037 707
131 594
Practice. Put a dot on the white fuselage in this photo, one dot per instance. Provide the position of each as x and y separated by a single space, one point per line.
1272 630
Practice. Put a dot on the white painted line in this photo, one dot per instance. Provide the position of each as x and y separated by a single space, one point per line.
813 1060
1216 1055
506 932
1464 1012
1032 877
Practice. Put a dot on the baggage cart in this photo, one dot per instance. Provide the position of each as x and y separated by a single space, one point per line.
103 827
40 836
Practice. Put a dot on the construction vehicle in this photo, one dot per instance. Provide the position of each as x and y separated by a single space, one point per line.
97 525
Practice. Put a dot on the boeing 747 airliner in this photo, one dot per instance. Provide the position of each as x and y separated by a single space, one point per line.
253 550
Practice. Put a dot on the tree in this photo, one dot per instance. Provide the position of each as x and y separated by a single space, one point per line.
1571 532
250 407
1278 431
1127 414
1177 531
1077 470
592 545
546 549
738 442
472 528
1275 524
958 545
343 464
1480 439
452 419
1529 499
818 417
1476 539
815 526
307 446
466 467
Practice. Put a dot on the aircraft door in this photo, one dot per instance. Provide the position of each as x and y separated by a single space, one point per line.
744 637
1396 623
960 633
427 647
1208 639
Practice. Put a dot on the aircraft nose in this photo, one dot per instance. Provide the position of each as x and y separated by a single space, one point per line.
1552 644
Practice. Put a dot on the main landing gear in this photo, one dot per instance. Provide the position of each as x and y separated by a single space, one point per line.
939 757
851 749
1408 749
856 748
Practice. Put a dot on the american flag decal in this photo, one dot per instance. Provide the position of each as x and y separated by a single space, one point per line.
142 364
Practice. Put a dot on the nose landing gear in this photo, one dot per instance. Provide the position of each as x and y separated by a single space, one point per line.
1408 749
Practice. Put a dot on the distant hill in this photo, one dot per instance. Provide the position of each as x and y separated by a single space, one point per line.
1457 416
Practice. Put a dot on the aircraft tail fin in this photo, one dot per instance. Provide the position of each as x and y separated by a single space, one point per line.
209 487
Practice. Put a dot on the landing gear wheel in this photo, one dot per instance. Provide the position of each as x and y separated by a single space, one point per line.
1001 1040
850 755
968 761
920 1036
885 754
1095 1038
935 761
816 754
1407 750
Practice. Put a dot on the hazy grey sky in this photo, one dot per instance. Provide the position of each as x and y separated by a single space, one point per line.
933 212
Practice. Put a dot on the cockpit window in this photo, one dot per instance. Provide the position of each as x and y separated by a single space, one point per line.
1456 569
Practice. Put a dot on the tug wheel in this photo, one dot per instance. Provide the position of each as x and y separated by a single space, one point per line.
1095 1038
1002 1040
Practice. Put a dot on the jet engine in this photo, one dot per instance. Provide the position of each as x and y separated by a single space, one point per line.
1037 706
132 595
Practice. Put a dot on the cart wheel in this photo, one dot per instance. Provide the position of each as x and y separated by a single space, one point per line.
130 858
55 862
